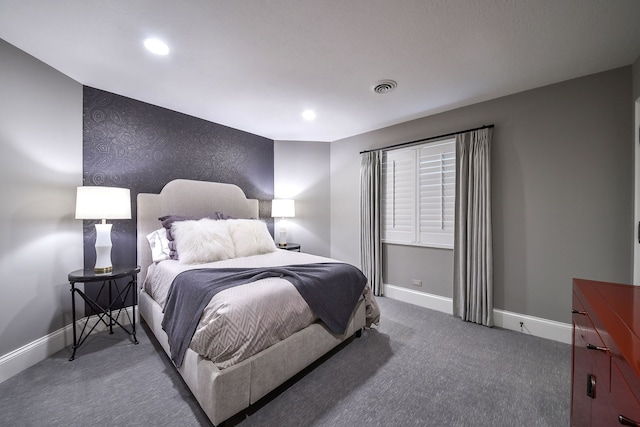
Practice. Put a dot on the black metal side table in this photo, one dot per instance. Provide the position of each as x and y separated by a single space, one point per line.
116 295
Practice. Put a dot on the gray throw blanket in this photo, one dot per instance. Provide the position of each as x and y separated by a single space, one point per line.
331 290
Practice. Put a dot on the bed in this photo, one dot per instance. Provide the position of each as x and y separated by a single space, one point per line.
226 385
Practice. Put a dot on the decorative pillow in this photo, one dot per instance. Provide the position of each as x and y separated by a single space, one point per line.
220 215
201 241
159 245
250 237
167 221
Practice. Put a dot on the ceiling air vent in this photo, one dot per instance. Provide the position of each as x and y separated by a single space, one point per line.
384 86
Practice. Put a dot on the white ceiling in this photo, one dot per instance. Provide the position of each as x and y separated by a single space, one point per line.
255 65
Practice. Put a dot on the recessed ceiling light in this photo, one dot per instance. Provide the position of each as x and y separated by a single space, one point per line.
156 46
308 115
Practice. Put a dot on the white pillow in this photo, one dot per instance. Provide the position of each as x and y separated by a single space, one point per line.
204 240
250 237
159 245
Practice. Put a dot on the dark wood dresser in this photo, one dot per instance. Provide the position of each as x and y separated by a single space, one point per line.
605 389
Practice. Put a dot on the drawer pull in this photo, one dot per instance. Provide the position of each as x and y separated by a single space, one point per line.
627 421
591 386
595 347
574 311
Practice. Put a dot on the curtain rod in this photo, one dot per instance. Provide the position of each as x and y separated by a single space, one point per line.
402 144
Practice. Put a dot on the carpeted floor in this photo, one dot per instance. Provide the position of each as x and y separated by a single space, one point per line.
419 368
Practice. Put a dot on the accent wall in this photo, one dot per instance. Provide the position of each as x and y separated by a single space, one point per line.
131 144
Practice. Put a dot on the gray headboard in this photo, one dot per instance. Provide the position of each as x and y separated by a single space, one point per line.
189 198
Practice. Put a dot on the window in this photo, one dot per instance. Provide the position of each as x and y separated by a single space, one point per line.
418 194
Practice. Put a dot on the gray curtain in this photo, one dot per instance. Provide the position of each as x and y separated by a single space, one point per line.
473 255
370 240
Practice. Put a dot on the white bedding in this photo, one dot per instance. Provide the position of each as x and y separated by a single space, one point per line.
244 320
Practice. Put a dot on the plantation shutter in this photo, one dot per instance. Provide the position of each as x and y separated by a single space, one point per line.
399 196
437 177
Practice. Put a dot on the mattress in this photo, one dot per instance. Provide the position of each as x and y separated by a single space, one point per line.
244 320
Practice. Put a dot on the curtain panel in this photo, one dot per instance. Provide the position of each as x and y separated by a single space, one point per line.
370 237
473 253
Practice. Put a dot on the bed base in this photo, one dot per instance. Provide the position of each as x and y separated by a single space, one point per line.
224 393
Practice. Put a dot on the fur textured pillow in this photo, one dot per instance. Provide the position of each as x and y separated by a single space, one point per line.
168 220
250 237
204 240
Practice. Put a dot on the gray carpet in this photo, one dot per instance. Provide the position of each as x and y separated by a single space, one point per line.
419 368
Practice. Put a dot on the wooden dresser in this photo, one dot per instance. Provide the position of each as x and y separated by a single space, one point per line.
605 375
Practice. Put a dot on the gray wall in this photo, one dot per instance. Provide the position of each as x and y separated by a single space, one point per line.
301 172
562 163
636 80
40 167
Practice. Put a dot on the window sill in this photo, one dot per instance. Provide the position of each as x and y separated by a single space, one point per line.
418 245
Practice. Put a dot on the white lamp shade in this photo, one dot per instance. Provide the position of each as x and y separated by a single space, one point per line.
103 203
283 208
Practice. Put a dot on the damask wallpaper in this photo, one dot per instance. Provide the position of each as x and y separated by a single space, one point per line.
132 144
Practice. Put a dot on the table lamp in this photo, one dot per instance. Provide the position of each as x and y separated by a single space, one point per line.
103 203
283 208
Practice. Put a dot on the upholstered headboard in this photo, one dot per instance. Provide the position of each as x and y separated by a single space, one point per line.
188 198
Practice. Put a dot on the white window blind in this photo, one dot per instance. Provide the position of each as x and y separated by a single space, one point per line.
399 196
437 180
418 199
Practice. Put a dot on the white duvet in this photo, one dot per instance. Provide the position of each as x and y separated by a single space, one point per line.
244 320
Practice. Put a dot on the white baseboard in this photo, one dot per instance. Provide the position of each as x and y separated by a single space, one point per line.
422 299
28 355
536 326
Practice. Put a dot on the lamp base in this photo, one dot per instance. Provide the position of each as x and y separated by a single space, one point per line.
103 249
283 234
103 270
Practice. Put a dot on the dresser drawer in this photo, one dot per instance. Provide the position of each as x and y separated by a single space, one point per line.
623 398
600 356
580 318
586 334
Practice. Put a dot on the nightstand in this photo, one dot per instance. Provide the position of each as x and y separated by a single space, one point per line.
108 315
289 247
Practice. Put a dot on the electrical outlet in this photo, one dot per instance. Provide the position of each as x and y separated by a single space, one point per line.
416 282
